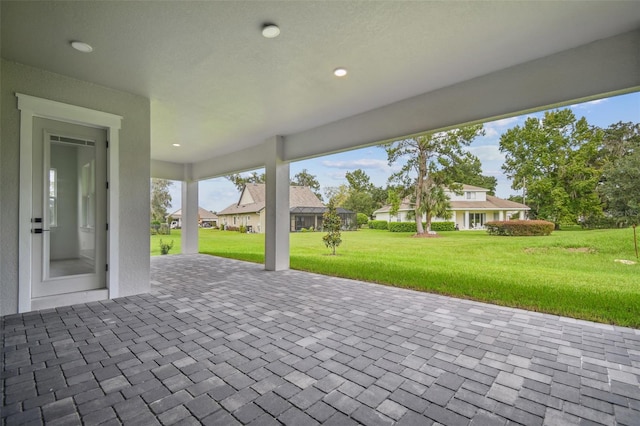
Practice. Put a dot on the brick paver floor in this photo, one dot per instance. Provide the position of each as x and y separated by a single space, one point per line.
222 342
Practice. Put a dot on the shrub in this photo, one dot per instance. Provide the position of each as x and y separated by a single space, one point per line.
155 226
242 229
231 228
165 247
362 219
402 227
520 227
379 224
603 222
443 226
164 229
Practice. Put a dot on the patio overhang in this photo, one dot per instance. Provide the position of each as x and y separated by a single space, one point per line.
578 75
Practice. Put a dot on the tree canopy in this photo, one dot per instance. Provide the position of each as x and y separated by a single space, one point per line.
429 162
469 171
304 178
620 183
556 161
240 181
160 199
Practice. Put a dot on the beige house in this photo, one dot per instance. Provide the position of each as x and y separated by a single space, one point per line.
470 209
206 218
305 210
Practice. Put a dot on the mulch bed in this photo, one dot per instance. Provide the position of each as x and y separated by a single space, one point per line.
426 235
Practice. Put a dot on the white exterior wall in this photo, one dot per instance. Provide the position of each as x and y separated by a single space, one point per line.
133 171
477 196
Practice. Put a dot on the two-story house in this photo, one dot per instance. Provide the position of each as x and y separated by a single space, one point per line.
470 209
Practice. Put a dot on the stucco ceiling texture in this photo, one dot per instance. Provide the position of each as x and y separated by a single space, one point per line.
216 85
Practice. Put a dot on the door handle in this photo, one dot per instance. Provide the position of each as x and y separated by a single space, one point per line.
39 230
36 220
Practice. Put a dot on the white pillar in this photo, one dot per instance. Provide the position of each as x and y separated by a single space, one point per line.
501 215
189 240
466 220
276 247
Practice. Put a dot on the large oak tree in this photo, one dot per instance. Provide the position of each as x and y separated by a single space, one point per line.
556 160
426 172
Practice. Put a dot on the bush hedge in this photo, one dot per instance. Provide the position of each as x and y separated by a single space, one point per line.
520 228
443 226
379 224
362 219
402 227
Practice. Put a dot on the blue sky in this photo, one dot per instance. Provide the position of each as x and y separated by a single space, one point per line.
217 194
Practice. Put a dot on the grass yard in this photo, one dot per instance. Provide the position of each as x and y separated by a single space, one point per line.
569 273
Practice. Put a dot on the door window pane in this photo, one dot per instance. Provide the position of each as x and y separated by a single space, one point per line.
72 206
53 195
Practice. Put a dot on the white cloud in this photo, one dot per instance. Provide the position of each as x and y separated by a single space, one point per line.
364 163
496 128
487 153
339 176
586 105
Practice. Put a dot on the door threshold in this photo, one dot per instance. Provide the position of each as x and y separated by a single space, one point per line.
67 299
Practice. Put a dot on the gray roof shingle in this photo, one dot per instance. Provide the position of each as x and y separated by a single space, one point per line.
299 196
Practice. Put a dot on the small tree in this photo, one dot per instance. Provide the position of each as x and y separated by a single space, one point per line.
362 219
331 224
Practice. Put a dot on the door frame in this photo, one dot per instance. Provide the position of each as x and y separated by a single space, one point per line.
31 107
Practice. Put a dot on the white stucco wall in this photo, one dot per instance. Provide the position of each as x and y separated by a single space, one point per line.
134 170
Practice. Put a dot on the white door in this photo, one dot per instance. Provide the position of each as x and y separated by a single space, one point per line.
68 221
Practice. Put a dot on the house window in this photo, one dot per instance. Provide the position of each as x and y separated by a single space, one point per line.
248 219
234 219
53 197
471 195
477 219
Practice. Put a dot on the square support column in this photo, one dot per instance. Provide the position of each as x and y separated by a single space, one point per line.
276 247
189 239
467 225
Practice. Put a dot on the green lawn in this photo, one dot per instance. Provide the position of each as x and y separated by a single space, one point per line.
570 273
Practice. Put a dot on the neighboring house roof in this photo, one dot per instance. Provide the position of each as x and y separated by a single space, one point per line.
204 214
317 210
492 203
253 195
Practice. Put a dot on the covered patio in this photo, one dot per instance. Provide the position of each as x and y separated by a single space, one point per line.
221 341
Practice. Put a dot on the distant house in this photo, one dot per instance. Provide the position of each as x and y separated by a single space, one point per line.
470 210
305 210
206 218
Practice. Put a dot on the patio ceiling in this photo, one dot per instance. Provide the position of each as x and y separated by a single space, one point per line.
217 86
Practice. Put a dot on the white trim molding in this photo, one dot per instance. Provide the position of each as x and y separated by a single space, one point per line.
31 107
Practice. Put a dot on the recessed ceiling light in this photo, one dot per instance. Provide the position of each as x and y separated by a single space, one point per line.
81 47
270 31
340 72
175 144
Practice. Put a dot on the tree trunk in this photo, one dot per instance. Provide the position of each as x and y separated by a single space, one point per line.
428 223
419 228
